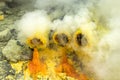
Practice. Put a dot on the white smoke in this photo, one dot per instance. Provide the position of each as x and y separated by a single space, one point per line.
69 15
60 8
33 22
109 46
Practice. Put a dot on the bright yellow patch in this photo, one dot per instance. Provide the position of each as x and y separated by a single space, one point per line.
17 66
1 17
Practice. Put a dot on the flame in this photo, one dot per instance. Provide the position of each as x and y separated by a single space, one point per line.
36 66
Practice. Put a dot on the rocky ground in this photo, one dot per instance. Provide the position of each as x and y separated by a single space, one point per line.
11 50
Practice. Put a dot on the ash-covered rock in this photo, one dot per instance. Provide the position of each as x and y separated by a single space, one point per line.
14 33
9 77
14 51
5 70
5 35
1 12
2 5
19 76
7 3
1 56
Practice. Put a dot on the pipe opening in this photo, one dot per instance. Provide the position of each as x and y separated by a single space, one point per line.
61 39
81 40
36 42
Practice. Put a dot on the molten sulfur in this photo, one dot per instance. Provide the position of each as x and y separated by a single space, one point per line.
36 66
66 67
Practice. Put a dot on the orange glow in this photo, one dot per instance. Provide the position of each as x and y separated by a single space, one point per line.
36 66
66 67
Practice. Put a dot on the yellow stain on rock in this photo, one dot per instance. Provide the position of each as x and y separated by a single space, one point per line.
17 66
1 17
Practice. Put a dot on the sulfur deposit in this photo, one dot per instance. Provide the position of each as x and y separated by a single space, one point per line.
59 40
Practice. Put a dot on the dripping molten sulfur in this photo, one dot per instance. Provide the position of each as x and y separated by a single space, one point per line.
36 66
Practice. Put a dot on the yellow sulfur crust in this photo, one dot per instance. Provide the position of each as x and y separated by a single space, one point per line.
1 17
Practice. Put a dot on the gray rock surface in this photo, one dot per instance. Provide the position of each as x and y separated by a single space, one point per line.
5 70
5 35
2 5
1 55
14 51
